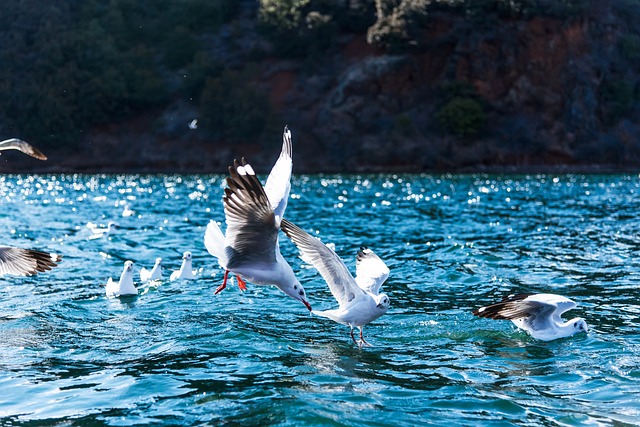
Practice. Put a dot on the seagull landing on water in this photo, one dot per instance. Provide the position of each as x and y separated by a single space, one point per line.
251 248
186 270
154 274
359 300
538 314
26 262
20 145
125 285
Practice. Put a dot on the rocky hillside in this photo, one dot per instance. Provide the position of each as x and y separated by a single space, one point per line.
399 86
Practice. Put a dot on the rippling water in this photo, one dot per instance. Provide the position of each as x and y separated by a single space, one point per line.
177 354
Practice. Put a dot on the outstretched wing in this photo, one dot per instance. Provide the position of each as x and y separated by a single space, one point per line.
20 145
279 180
252 229
25 262
371 271
341 283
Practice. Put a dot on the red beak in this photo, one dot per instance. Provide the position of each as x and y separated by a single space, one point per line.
307 305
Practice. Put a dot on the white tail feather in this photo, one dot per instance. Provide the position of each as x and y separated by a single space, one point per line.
214 242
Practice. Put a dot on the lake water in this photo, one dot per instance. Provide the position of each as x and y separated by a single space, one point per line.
178 355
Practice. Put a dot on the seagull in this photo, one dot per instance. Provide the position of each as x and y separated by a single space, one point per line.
26 262
102 232
154 274
125 285
251 247
359 300
186 271
20 145
538 314
193 124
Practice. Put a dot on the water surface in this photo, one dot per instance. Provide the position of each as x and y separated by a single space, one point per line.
177 354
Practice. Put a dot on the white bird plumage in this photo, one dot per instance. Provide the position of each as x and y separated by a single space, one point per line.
186 269
251 248
359 302
125 285
98 233
154 274
538 314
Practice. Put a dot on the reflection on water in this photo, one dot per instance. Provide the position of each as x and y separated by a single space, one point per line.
177 354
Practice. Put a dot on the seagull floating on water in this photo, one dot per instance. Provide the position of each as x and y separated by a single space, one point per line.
359 300
102 232
186 270
26 262
154 274
20 145
251 247
125 285
538 314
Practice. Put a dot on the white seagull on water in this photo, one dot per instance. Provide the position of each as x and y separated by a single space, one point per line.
251 248
538 314
359 301
20 145
125 285
186 270
98 233
154 274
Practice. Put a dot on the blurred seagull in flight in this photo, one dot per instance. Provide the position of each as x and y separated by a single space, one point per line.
538 314
186 270
125 285
251 247
359 300
193 124
20 145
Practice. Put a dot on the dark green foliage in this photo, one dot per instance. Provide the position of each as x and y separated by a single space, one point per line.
462 116
69 66
304 28
232 107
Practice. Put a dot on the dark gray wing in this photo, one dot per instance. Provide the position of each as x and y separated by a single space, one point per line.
341 283
25 262
252 229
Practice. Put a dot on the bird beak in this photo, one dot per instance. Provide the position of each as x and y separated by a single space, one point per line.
307 305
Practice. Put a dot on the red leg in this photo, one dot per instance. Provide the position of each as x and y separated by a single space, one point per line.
362 339
241 283
224 283
354 338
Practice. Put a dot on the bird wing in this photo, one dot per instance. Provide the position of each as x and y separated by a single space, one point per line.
279 180
341 283
252 228
371 271
559 303
20 145
537 311
25 262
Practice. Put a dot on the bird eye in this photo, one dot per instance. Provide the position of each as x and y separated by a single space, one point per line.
295 286
301 292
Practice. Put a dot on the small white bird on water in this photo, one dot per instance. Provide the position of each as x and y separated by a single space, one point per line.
26 262
538 314
251 248
125 285
98 233
154 274
20 145
359 302
186 270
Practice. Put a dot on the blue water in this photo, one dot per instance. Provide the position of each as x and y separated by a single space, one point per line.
178 355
